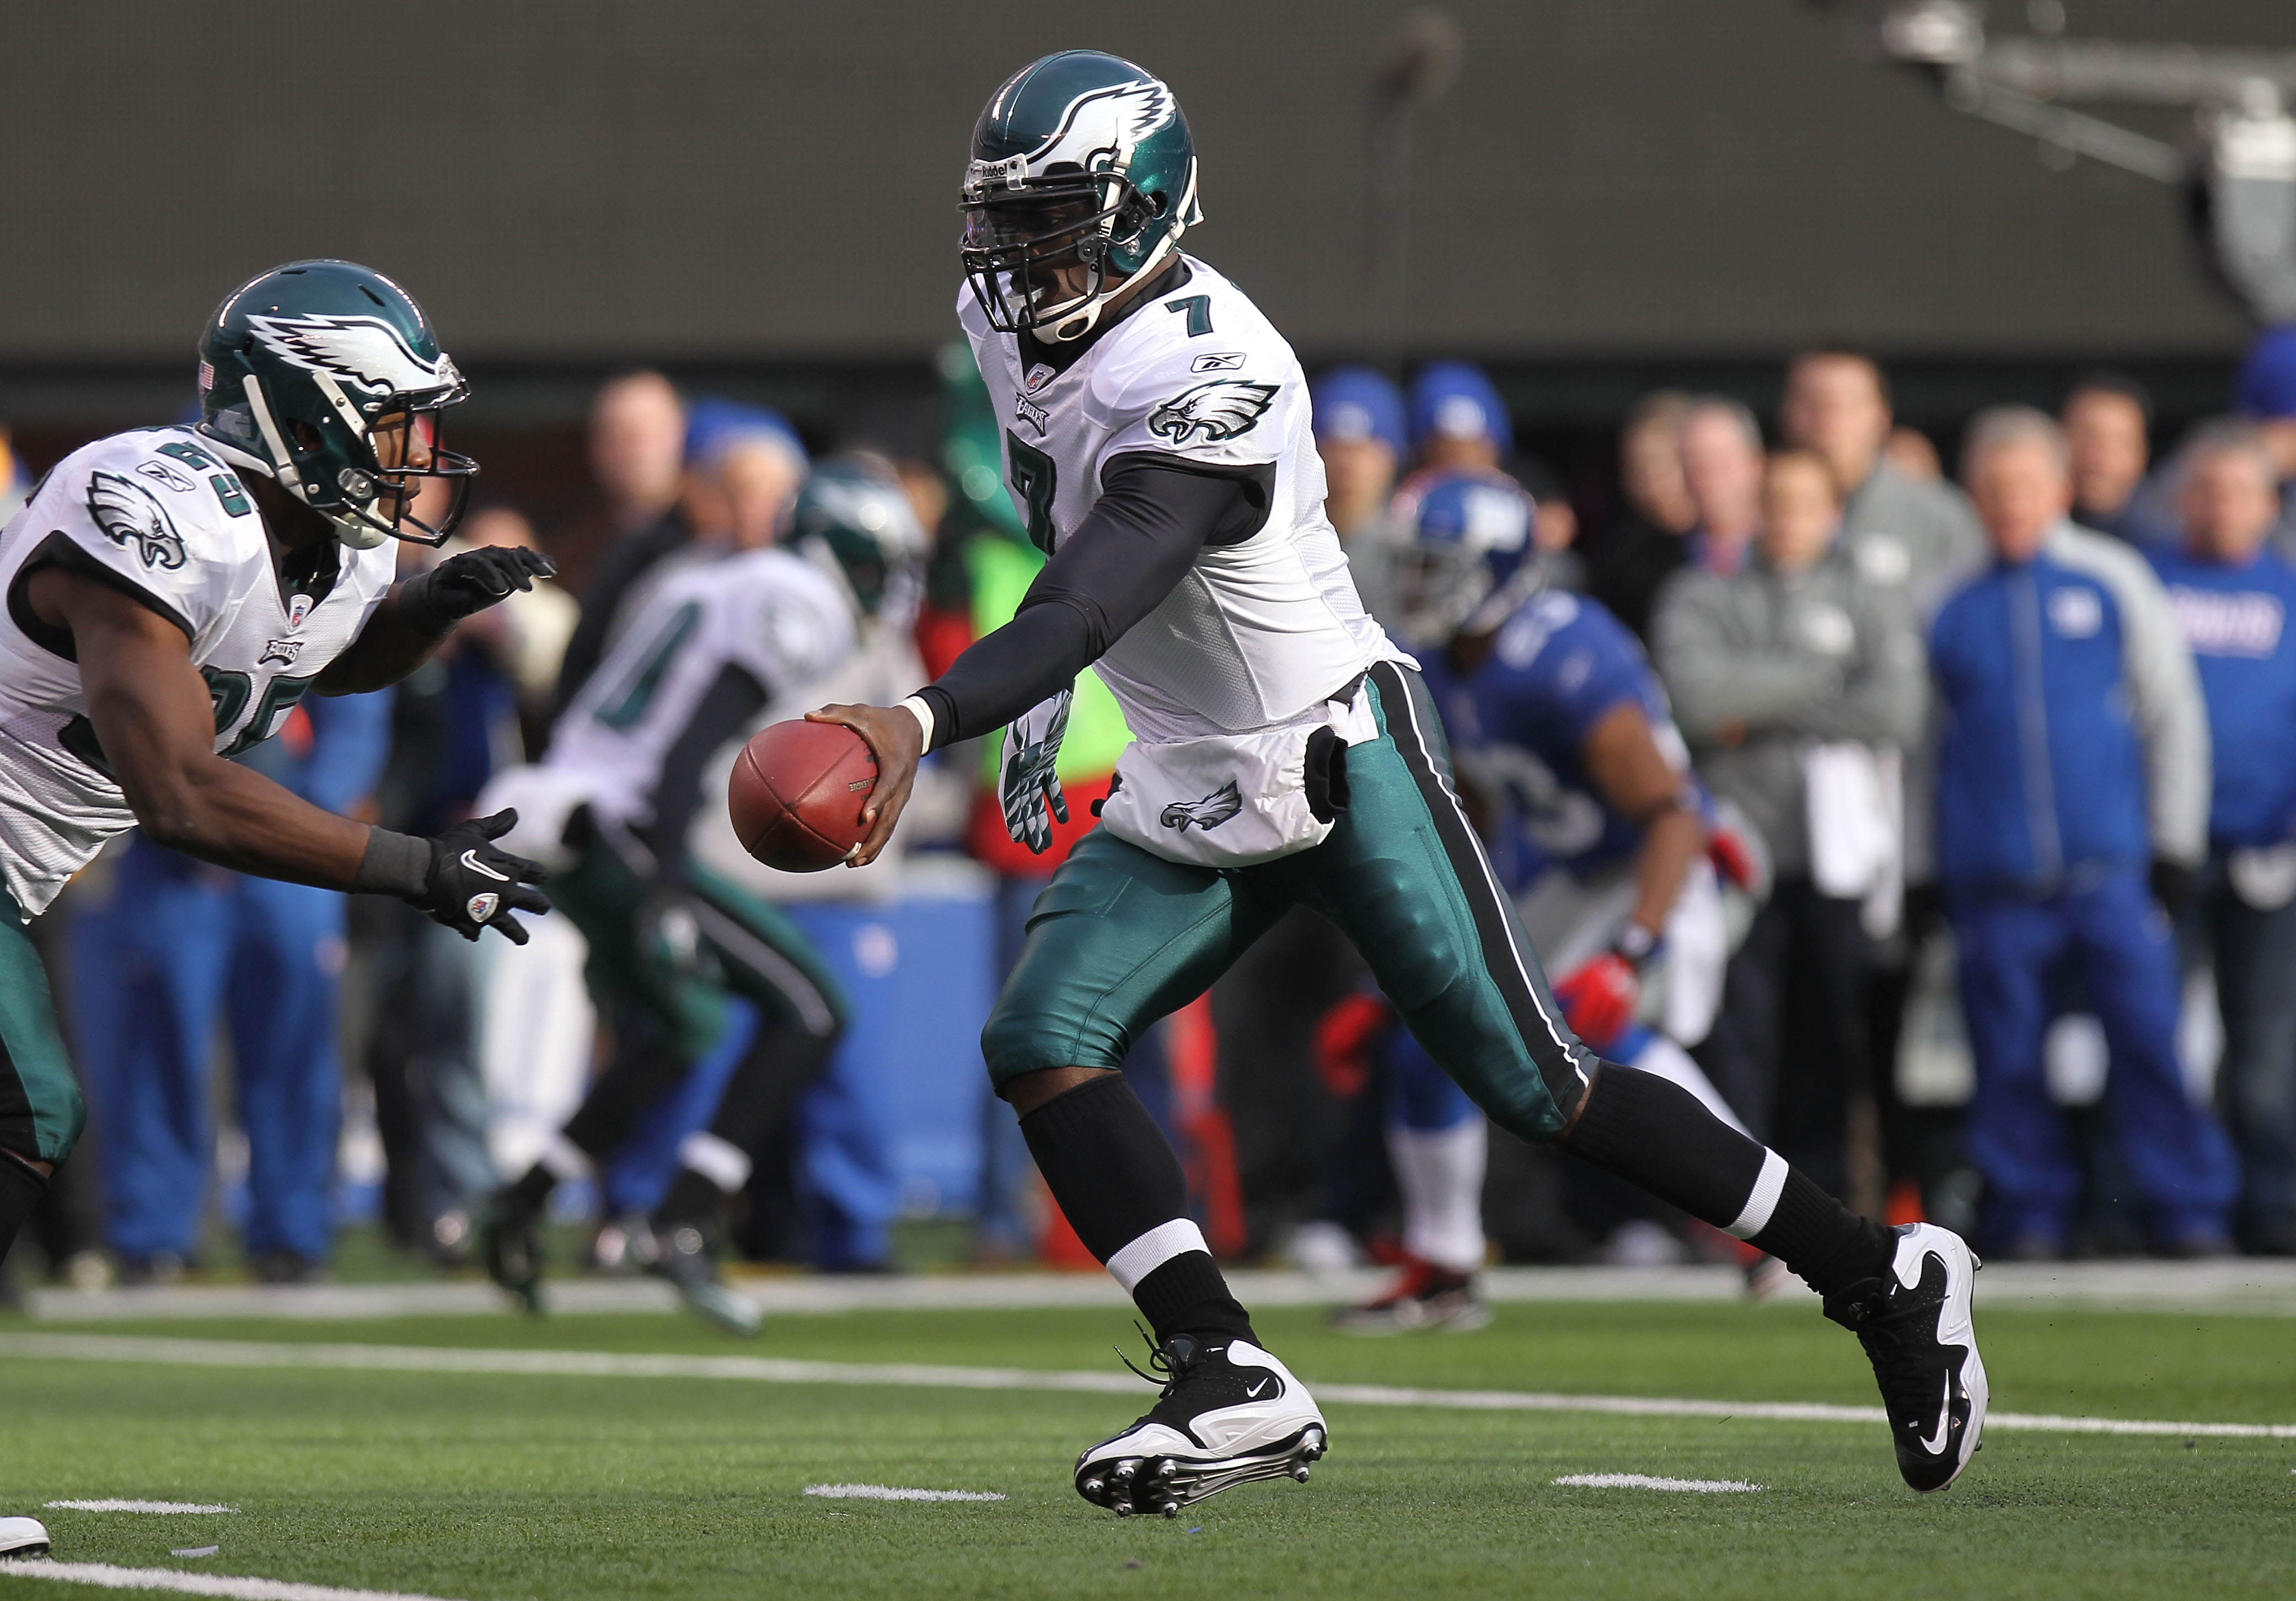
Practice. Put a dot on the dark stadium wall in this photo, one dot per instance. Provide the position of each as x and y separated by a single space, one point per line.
764 192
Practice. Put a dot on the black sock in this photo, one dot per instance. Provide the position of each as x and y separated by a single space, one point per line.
1121 1188
691 1199
21 1185
533 1187
1655 1133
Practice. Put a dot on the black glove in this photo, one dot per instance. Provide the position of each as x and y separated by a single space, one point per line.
2174 885
432 602
459 878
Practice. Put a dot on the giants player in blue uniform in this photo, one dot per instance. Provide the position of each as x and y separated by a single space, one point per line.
1610 847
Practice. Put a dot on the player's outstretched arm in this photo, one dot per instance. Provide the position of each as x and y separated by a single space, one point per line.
155 722
1624 760
416 616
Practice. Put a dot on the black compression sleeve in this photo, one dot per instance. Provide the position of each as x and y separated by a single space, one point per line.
1155 515
732 701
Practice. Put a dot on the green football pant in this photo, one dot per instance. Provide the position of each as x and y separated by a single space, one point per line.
41 1113
1120 938
668 1008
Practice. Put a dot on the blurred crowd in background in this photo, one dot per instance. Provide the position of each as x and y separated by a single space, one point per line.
2013 736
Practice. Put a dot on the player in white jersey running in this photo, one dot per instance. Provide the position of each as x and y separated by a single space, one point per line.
1158 437
671 941
173 592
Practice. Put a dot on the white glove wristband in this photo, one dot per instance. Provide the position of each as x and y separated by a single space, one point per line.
923 713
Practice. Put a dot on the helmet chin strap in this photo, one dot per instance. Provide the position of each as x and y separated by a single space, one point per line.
1085 317
355 533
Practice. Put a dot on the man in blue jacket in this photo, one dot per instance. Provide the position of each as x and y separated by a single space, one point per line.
2073 797
2232 597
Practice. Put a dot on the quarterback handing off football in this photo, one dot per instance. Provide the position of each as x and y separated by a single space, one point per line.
797 794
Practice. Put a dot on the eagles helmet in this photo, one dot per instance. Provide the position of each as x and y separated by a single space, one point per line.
1465 558
854 517
327 378
1083 177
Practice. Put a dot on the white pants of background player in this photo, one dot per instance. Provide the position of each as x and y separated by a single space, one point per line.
1436 1137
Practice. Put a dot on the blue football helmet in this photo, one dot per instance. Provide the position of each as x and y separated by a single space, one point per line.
1465 558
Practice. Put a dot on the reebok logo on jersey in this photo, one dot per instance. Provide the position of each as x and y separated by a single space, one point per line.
1025 410
1222 361
125 510
283 651
1207 814
160 472
1219 410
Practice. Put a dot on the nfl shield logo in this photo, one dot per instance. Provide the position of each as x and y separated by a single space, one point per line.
298 606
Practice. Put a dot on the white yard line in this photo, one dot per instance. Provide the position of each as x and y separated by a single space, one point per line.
890 1492
159 1506
783 1370
1639 1481
104 1576
2252 1285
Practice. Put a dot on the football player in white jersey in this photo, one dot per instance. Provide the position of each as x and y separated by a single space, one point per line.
1158 437
173 592
610 808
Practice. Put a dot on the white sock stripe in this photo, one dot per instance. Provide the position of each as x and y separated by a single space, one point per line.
1769 1185
720 1161
565 1159
1153 1249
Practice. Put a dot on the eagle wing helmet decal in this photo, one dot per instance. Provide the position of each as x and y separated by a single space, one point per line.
1102 129
1217 411
124 510
366 351
1205 815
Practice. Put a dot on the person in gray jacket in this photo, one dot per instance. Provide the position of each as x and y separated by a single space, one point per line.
1793 651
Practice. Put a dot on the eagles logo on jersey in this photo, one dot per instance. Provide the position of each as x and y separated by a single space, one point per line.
1207 814
128 511
1083 177
1217 411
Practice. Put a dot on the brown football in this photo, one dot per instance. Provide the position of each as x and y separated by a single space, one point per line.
797 794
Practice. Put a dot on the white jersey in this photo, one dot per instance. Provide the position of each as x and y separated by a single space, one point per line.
155 512
768 613
1259 632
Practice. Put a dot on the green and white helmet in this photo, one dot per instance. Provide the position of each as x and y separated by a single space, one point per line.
854 518
1083 177
325 377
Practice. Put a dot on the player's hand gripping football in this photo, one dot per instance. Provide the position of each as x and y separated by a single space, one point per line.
1029 781
898 740
473 885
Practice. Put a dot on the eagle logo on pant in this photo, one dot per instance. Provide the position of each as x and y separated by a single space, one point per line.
1207 814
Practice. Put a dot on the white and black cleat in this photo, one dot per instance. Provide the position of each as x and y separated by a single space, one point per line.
1229 1414
1915 1323
22 1537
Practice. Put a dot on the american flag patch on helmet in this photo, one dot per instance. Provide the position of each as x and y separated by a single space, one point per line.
206 377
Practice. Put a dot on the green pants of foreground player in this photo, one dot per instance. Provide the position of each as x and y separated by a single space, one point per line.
41 1113
1120 938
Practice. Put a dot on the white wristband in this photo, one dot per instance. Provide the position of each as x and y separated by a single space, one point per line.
923 713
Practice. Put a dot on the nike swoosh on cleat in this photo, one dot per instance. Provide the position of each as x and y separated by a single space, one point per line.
1254 1391
1935 1446
471 860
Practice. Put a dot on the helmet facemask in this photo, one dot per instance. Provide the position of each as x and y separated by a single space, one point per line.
1046 255
364 464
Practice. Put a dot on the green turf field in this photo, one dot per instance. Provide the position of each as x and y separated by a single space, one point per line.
497 1486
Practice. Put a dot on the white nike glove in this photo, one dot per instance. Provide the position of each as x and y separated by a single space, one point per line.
1028 782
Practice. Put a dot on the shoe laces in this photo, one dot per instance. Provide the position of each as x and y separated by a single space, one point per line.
1166 1369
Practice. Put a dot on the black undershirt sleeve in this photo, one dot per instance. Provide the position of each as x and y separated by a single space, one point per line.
1154 517
734 698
